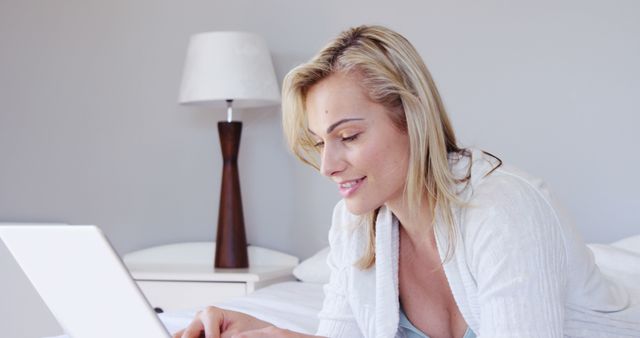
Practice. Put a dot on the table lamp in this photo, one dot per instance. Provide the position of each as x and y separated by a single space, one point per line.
226 69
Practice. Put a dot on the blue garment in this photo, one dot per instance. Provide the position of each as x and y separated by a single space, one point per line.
413 332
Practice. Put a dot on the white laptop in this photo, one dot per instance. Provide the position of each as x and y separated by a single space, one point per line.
82 280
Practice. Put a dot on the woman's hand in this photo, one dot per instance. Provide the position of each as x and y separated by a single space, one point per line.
271 332
219 323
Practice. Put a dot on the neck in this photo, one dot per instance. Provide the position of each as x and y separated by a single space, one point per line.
418 224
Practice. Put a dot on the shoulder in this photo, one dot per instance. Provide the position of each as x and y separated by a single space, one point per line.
509 222
492 184
509 204
506 187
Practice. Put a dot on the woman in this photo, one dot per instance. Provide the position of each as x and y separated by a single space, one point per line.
430 240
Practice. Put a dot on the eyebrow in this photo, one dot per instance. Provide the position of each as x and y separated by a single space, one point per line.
336 124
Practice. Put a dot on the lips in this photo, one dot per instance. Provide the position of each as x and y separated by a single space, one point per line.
348 188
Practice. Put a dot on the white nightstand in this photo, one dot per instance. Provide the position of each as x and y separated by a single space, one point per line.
181 276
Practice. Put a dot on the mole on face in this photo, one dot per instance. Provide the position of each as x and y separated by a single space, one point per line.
326 112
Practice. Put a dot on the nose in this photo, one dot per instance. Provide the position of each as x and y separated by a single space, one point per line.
331 161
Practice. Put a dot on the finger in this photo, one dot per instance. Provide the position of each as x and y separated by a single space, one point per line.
212 319
193 330
180 333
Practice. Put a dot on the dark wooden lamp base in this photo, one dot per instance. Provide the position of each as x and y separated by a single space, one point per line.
231 241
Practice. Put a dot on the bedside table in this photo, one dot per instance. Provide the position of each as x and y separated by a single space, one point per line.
181 276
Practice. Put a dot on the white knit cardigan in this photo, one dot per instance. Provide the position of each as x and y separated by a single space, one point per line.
519 268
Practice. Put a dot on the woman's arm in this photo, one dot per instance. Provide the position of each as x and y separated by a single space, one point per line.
216 322
519 261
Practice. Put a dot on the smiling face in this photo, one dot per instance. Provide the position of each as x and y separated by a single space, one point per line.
361 149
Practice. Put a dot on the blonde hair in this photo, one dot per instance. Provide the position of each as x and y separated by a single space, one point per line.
393 73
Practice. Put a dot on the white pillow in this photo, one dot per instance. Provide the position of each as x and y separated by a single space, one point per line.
631 243
314 269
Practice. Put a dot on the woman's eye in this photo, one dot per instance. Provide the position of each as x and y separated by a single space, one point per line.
320 144
350 138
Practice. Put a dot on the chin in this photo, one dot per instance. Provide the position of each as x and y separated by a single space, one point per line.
358 208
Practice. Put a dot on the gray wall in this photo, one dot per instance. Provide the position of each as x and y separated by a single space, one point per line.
90 131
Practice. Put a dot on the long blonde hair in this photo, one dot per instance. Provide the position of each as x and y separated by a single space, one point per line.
395 76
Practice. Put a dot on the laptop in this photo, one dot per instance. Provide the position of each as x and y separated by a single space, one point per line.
82 280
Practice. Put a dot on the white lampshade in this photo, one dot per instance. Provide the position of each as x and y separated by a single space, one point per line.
224 66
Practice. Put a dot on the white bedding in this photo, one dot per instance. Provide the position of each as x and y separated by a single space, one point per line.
290 305
620 261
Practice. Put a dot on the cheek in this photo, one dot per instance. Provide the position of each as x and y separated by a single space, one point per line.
395 167
387 163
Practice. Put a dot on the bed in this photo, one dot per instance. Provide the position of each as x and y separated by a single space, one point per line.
291 305
294 305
